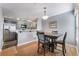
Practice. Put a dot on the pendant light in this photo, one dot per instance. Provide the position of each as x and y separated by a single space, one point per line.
45 17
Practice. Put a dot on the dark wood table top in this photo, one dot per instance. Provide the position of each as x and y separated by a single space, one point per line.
52 35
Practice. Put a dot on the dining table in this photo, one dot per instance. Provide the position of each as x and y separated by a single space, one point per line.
52 37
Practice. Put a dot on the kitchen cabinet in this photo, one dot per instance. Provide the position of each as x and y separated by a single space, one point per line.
25 37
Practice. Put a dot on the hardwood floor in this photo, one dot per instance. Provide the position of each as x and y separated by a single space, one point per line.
31 50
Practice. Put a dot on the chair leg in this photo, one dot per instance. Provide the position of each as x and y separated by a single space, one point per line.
44 50
63 50
38 47
42 46
63 53
55 46
49 47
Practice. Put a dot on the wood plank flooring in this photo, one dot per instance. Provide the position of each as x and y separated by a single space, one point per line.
31 50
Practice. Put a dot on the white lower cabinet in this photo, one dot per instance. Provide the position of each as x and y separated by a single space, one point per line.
25 37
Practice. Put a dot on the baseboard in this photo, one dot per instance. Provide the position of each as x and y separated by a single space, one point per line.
71 45
26 43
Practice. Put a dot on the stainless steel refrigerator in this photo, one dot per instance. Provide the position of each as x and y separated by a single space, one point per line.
9 37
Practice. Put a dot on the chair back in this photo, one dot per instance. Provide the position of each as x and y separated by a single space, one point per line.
54 32
64 37
41 36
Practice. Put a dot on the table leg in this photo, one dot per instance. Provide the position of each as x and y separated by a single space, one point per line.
52 45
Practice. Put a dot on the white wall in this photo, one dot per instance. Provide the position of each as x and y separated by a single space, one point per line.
1 28
66 23
39 24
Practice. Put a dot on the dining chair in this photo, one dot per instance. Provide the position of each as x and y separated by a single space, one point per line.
42 40
62 42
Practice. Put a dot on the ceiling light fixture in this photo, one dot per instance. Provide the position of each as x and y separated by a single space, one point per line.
29 20
18 18
45 17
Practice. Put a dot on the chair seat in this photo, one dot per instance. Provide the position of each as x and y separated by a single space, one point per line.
59 41
46 42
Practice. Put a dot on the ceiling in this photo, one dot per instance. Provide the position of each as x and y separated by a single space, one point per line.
34 10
